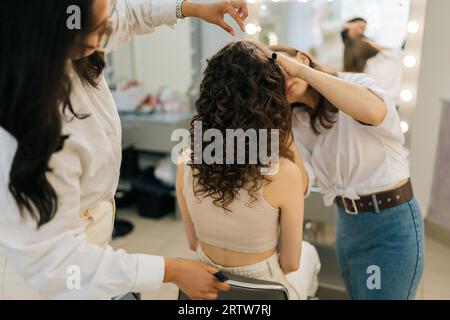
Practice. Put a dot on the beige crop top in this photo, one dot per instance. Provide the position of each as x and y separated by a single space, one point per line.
253 229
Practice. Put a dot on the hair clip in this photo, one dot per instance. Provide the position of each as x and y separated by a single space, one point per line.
274 57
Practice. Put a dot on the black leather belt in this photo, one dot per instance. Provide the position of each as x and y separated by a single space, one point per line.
378 201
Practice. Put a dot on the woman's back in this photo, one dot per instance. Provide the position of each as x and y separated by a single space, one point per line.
248 233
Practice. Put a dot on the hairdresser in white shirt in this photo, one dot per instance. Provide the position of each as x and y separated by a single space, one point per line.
60 142
348 133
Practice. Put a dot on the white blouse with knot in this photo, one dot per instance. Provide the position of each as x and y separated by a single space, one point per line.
352 159
85 176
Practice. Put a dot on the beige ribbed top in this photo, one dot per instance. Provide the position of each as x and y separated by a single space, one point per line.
250 227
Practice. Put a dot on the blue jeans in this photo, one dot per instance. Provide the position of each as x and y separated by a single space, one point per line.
381 255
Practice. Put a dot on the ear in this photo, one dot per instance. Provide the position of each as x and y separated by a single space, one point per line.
304 59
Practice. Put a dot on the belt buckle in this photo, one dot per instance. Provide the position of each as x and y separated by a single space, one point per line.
355 207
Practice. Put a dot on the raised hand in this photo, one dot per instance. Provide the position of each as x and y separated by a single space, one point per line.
215 13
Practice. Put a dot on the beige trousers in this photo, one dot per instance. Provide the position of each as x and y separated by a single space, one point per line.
301 284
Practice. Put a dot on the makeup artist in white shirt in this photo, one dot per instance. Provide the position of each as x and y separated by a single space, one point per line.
60 151
348 132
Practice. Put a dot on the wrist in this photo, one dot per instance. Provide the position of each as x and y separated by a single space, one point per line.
189 9
302 71
170 269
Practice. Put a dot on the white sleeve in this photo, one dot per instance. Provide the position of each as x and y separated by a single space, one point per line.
44 257
390 126
133 17
305 150
331 28
306 155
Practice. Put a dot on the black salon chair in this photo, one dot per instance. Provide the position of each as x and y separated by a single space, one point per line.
242 288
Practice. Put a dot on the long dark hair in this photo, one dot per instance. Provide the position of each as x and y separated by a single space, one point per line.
243 89
324 115
35 90
357 51
344 33
356 54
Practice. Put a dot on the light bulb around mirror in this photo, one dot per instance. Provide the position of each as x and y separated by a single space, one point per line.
251 29
406 95
410 61
413 27
405 126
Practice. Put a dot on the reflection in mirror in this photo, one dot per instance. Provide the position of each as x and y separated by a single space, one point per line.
372 43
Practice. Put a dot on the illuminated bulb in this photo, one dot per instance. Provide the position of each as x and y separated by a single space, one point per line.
263 7
406 95
251 1
405 126
410 61
273 39
413 27
251 29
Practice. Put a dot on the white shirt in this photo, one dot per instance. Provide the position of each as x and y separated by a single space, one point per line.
86 172
386 68
352 159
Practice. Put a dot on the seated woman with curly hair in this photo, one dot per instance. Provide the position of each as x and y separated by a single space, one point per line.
246 217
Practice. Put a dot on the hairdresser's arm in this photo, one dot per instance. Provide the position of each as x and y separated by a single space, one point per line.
187 221
50 258
133 17
353 99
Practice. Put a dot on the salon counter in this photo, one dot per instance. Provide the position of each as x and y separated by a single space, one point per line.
152 133
316 211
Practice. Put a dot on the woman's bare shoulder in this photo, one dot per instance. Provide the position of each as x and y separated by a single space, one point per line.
286 181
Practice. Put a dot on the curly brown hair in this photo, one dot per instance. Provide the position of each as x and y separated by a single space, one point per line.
243 88
324 115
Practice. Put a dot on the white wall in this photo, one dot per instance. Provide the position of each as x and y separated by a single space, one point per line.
214 38
123 63
387 19
434 83
161 58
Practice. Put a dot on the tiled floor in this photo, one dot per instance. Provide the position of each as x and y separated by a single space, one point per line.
166 237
